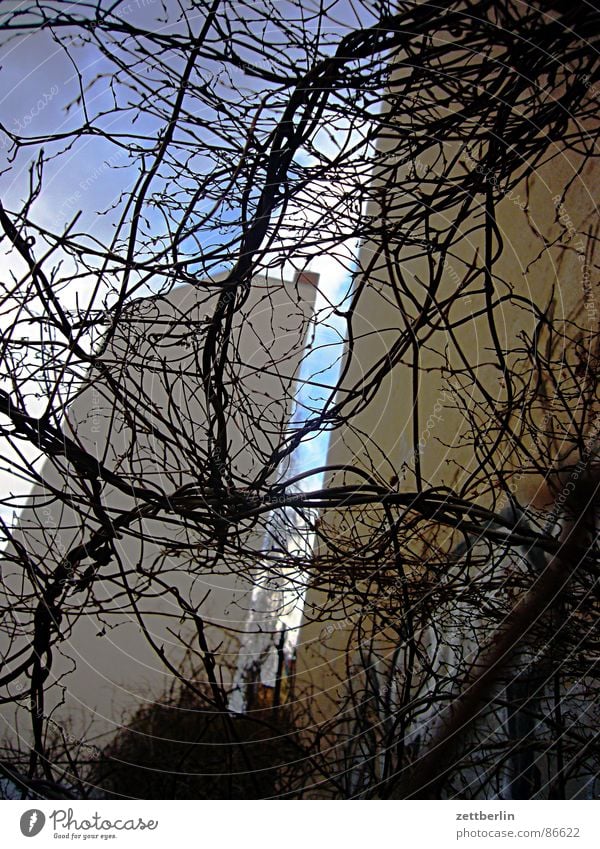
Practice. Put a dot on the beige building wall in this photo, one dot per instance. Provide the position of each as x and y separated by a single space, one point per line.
544 265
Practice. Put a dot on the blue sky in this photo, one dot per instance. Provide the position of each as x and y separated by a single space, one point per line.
91 175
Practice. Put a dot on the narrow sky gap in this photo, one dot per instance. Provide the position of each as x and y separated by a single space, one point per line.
277 603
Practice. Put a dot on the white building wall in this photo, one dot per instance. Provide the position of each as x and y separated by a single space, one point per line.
104 666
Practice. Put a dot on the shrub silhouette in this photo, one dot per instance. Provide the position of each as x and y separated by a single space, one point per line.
181 748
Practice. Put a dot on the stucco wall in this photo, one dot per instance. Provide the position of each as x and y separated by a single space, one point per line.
104 667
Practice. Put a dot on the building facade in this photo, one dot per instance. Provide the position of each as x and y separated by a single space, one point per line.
130 619
454 315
